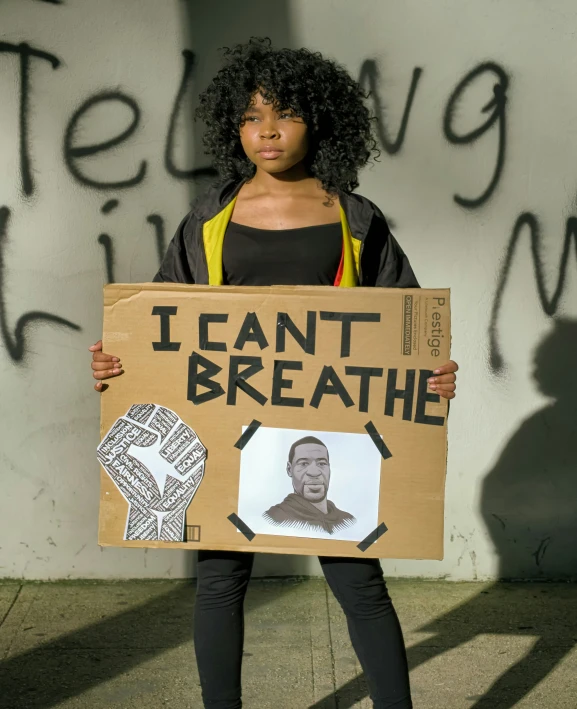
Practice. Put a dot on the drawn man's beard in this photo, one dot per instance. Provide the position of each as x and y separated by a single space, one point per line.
314 492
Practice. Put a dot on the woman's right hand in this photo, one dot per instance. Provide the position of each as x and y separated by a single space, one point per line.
104 366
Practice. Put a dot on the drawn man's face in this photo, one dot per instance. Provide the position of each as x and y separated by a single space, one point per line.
310 471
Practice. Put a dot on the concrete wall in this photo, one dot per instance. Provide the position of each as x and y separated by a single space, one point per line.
464 204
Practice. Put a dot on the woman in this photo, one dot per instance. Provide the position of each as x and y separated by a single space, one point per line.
288 132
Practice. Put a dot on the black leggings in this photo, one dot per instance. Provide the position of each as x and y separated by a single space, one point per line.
359 587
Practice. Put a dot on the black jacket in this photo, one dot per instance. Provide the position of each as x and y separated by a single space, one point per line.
371 255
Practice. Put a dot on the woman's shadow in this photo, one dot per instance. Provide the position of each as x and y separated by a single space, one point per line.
529 505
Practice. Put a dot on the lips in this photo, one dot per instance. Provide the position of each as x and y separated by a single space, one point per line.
269 153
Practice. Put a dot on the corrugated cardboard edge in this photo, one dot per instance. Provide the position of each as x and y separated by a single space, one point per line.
114 292
447 436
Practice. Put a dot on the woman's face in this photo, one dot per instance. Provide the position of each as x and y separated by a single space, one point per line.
275 141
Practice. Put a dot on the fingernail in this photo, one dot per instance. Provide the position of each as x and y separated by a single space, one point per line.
432 386
437 371
432 380
115 359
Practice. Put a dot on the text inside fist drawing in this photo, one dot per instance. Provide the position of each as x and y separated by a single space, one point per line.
157 463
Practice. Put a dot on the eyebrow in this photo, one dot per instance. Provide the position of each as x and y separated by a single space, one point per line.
257 109
298 460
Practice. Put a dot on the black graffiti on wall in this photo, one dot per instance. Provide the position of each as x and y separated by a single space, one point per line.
497 114
77 154
15 342
73 152
105 240
495 108
177 108
157 223
528 225
26 53
369 76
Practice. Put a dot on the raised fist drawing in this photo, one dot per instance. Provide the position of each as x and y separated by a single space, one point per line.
157 463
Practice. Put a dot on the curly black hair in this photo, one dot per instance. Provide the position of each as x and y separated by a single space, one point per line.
318 90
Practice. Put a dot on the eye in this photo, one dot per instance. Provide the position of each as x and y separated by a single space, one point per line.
286 114
250 119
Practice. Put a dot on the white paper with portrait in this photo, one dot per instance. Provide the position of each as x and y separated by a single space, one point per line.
354 486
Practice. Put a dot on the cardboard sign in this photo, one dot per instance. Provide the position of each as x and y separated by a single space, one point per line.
284 419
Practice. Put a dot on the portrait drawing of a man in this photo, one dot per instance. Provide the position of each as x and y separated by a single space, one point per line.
308 507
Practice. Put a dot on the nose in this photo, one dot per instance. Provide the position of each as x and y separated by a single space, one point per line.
268 130
314 471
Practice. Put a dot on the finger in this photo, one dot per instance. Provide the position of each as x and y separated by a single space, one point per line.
444 387
103 357
448 368
107 373
446 394
100 387
100 366
443 379
96 346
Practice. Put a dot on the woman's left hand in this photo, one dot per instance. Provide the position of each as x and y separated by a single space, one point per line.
444 380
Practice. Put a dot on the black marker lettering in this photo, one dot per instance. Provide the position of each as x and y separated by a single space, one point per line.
346 319
250 331
204 379
165 345
203 341
365 373
329 383
407 394
285 324
423 396
278 384
238 379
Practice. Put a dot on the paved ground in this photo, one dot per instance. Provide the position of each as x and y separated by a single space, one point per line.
128 645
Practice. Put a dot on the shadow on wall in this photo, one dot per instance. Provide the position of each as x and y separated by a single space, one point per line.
529 504
206 31
207 28
529 500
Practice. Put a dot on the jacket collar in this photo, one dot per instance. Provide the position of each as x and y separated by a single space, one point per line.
359 211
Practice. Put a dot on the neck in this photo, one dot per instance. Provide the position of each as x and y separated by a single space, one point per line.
322 506
283 183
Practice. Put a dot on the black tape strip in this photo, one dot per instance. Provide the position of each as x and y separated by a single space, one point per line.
372 537
248 434
242 527
204 319
377 440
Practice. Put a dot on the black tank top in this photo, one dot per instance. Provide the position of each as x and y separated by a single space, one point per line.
309 256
